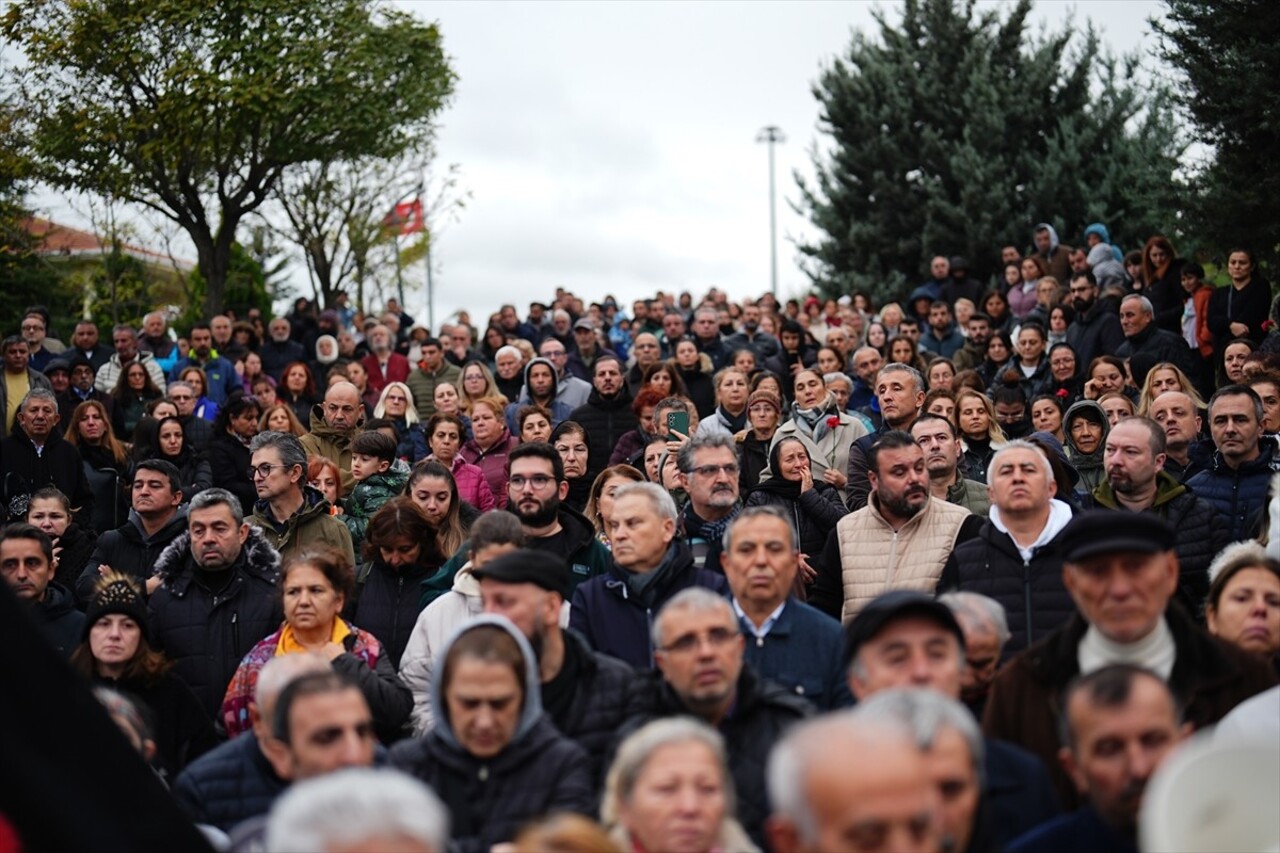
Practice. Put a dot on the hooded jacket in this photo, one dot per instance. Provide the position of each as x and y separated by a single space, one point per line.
129 550
1088 465
605 420
310 527
206 634
1201 534
559 409
539 771
614 621
334 444
1058 259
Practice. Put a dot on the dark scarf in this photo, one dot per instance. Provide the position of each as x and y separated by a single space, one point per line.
775 485
647 586
735 423
98 457
710 531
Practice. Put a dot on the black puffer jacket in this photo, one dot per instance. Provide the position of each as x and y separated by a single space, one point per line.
229 785
538 772
814 514
605 422
208 634
762 713
1201 535
387 606
129 550
1161 345
229 460
1096 332
1031 592
58 620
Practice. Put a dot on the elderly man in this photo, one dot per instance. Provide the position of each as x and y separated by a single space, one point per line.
986 630
937 438
900 397
217 598
586 351
908 639
1142 336
1134 456
80 388
19 378
37 455
570 390
1236 483
1179 416
236 781
27 566
588 695
791 643
650 566
607 414
847 781
1121 572
1016 557
197 431
708 465
900 540
383 363
648 352
699 653
221 328
125 339
279 350
333 424
764 345
949 737
706 335
155 340
293 515
220 378
508 370
433 370
1121 722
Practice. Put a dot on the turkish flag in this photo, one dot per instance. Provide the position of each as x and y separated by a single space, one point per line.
406 218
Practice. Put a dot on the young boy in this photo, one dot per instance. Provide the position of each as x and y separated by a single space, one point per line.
379 477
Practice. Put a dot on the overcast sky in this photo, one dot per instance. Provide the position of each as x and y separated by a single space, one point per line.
610 146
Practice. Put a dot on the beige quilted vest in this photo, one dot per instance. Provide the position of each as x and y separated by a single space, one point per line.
874 559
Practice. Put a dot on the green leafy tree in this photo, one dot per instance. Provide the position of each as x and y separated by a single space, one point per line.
955 132
1229 63
195 109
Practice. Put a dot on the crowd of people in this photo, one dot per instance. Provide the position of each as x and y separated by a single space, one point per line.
957 573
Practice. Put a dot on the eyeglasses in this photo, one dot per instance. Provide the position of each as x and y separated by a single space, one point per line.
717 638
264 470
179 398
712 470
538 481
554 354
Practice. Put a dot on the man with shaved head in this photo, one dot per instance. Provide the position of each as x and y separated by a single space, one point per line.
333 424
1180 417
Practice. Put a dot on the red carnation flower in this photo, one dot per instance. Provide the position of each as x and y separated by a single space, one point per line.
1061 392
833 421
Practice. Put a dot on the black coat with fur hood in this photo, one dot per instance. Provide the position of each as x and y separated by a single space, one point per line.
205 629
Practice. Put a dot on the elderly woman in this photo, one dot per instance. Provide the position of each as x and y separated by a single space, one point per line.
444 441
1243 605
524 767
600 500
401 551
396 405
50 510
1085 427
814 506
730 415
826 432
570 441
669 789
115 651
493 535
489 445
315 586
764 410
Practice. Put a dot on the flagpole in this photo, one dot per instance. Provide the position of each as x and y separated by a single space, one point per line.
431 288
399 275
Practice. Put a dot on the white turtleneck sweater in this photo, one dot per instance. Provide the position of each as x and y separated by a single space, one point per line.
1155 652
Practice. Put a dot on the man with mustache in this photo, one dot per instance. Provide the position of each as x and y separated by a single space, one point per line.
1121 722
900 540
709 466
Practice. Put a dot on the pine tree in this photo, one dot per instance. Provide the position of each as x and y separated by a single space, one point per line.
956 131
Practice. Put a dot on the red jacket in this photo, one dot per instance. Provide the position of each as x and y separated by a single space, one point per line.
398 368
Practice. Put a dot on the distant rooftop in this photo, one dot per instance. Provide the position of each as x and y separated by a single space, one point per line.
56 239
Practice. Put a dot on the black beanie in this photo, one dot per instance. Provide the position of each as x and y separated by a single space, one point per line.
116 593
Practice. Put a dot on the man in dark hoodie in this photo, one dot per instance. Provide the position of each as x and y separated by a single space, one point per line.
540 387
607 415
500 763
1096 329
26 563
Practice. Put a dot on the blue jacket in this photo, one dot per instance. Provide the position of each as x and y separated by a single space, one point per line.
220 377
802 653
1237 494
229 784
1080 831
946 346
616 623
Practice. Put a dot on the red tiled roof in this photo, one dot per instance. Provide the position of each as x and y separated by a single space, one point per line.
56 239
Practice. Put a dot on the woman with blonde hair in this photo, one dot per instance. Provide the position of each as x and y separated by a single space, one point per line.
980 433
279 417
689 756
477 383
1165 376
397 405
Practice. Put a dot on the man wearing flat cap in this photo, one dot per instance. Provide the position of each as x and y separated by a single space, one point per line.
587 695
1121 571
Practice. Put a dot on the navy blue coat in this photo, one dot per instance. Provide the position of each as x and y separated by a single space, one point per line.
604 612
229 784
387 604
1082 830
802 653
1237 494
1019 794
